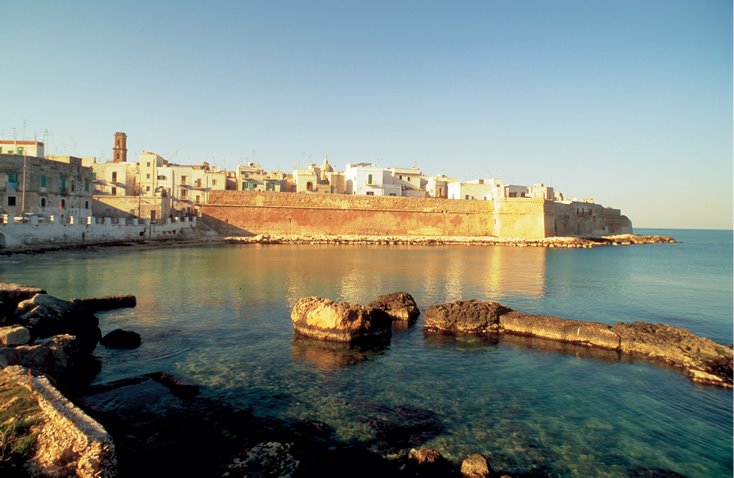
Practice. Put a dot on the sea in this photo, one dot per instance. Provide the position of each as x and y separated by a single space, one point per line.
219 316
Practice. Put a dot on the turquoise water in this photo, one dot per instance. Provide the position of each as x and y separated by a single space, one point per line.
221 317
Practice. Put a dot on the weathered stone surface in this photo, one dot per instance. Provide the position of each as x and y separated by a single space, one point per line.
95 304
325 319
14 335
554 328
121 339
398 305
475 466
704 360
55 356
12 294
45 316
69 443
471 316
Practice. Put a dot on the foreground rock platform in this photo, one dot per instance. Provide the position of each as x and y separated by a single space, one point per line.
325 319
703 360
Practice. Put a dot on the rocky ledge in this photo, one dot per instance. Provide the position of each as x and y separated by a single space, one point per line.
549 242
703 360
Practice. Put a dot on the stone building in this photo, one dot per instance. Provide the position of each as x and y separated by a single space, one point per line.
119 152
22 148
60 186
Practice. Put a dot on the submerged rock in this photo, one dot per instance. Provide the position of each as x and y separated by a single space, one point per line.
121 339
179 387
398 305
266 459
564 330
325 319
469 317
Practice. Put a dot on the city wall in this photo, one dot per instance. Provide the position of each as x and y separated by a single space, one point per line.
256 212
90 230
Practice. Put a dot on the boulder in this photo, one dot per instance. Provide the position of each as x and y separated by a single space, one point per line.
12 294
325 319
471 317
475 466
121 339
427 462
96 304
398 305
45 315
14 335
554 328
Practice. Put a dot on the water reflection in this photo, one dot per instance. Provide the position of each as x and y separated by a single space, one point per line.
331 355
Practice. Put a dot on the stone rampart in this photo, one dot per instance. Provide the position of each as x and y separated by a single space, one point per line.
243 213
253 212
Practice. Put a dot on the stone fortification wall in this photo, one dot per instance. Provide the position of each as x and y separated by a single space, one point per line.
587 219
524 218
253 212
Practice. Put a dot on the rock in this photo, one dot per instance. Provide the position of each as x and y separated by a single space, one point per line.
325 319
12 294
266 459
121 339
56 356
705 361
472 317
177 386
14 335
564 330
475 466
45 316
428 462
96 304
404 427
398 305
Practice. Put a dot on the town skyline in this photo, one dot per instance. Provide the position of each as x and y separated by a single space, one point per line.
627 103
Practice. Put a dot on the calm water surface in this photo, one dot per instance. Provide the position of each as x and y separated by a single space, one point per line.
221 317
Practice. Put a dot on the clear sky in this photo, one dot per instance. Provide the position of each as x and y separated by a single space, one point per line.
625 101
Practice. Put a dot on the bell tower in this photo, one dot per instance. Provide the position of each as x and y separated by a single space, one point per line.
119 152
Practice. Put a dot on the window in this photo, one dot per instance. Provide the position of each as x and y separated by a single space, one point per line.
198 200
244 185
147 176
114 191
183 194
400 177
147 164
370 193
86 204
369 179
43 181
408 178
198 183
466 196
13 178
63 203
309 186
147 189
43 202
183 180
86 185
214 182
11 200
114 176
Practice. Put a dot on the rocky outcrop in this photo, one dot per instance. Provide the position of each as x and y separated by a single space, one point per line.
45 316
703 360
11 295
325 319
56 356
121 339
469 317
68 442
398 305
97 304
14 335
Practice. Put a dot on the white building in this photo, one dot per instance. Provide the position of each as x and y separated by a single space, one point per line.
22 147
482 189
366 179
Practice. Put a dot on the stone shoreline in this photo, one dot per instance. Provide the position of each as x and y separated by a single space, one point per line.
550 242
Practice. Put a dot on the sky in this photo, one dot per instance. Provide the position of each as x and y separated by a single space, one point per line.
628 102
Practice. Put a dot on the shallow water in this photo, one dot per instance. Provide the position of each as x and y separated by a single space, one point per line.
220 316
